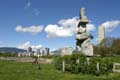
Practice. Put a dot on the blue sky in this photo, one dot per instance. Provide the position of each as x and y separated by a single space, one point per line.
18 16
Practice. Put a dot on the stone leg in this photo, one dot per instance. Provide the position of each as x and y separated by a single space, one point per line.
87 47
78 48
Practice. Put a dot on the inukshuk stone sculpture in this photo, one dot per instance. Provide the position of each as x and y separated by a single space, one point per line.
83 38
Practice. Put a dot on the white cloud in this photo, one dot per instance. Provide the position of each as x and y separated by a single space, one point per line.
57 31
65 28
36 12
90 27
111 25
24 45
27 5
72 22
37 46
30 29
28 44
33 10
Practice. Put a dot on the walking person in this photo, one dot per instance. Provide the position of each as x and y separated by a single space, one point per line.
36 63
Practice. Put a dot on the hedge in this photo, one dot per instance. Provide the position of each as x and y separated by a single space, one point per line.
77 63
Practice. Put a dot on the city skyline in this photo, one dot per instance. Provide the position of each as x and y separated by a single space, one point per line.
53 24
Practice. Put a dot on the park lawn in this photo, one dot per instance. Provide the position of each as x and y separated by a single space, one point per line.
11 70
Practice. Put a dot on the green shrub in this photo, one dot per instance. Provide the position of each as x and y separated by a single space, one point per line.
77 63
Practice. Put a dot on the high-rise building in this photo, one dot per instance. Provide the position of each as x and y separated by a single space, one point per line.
66 51
47 51
101 33
29 51
38 51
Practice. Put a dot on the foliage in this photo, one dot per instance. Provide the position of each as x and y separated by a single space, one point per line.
77 63
116 46
108 47
8 54
104 51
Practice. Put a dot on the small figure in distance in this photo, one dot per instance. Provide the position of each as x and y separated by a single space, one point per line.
36 63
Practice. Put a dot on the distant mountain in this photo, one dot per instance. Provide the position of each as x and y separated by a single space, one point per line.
55 52
11 49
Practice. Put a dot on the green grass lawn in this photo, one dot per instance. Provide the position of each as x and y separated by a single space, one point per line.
11 70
